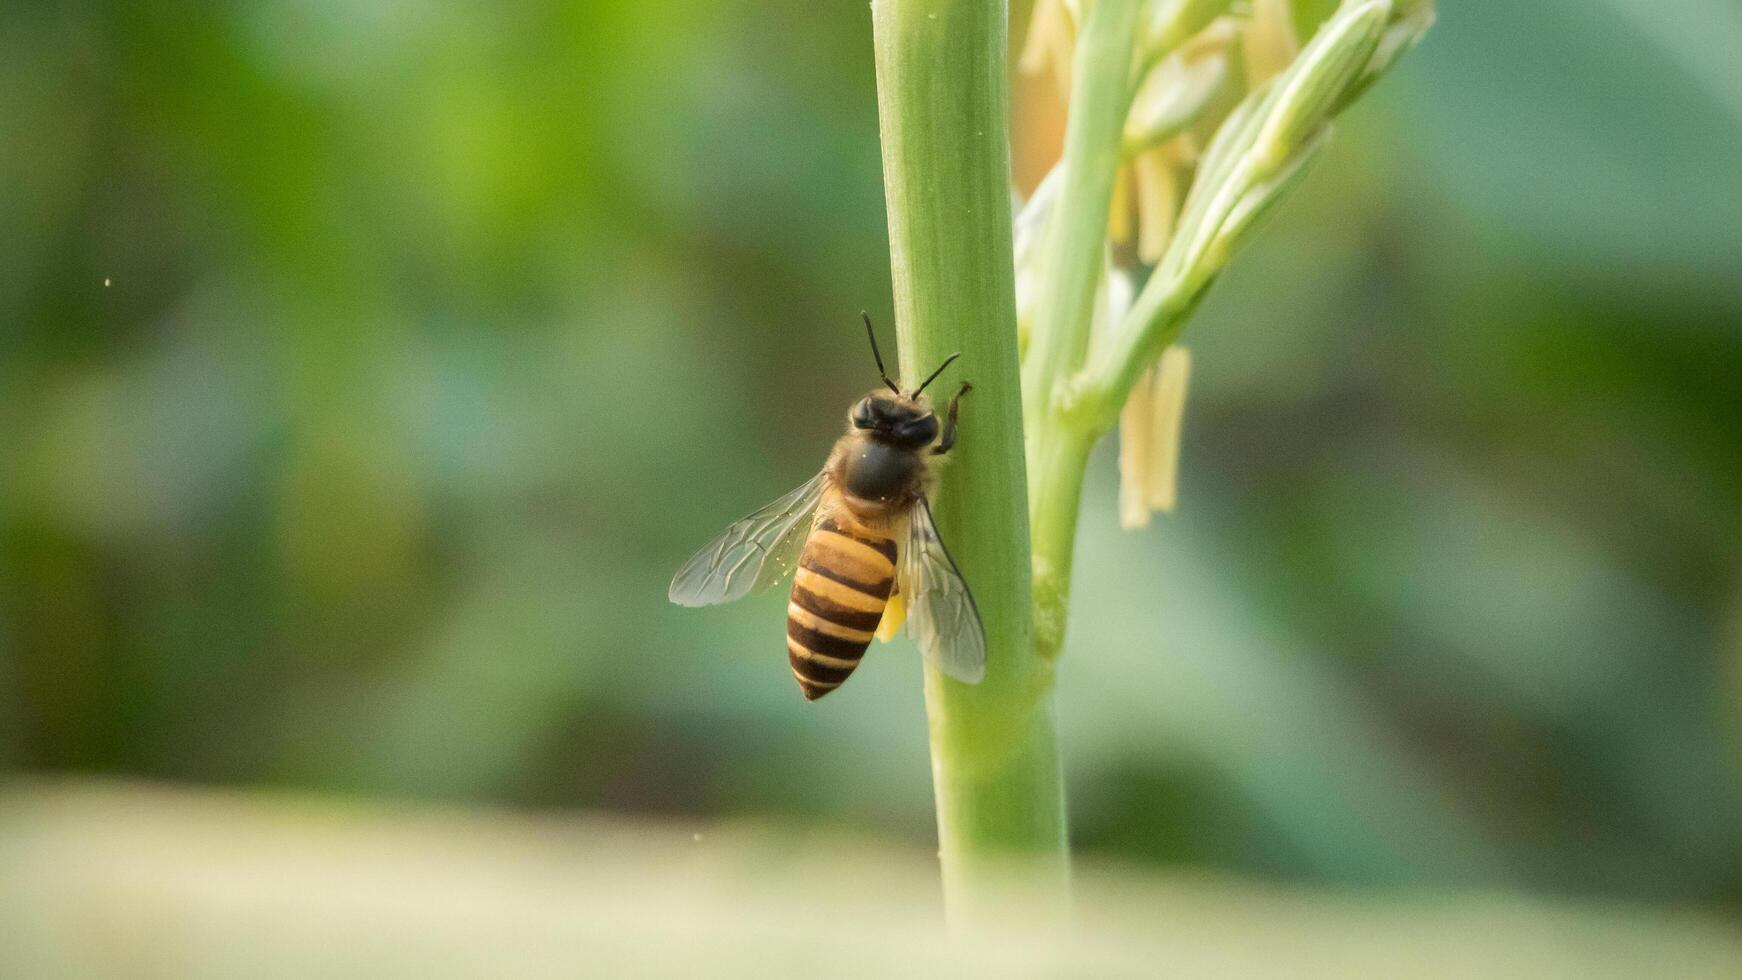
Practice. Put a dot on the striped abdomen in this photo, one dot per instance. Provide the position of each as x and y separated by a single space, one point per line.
838 594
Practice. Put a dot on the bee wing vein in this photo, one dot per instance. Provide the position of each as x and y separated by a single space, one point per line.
750 555
943 618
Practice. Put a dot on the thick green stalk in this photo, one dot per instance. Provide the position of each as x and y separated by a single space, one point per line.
943 105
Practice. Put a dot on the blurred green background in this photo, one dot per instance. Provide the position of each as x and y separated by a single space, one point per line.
367 368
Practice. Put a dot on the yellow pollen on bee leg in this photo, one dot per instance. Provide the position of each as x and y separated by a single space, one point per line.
894 615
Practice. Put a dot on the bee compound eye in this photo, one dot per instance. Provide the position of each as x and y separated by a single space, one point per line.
920 431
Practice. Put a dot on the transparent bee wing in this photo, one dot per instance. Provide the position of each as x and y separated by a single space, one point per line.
941 615
752 554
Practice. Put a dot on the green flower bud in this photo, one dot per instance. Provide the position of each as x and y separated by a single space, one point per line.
1168 23
1175 92
1410 19
1314 86
1260 199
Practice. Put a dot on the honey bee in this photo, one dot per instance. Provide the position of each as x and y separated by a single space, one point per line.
866 551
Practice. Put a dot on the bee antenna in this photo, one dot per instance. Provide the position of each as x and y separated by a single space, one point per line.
877 353
934 375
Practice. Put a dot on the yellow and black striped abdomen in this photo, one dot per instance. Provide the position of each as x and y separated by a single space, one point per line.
843 582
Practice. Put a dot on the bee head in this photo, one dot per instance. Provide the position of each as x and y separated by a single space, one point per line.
890 416
903 421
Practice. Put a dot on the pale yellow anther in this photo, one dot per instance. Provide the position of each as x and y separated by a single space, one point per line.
1268 43
1149 440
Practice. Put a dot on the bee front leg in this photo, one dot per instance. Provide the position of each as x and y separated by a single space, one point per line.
948 441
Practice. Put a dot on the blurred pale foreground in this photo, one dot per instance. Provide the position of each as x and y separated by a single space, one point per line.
107 880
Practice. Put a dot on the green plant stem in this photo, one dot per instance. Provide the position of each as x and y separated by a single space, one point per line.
1070 271
943 107
1087 408
1071 246
1062 456
1096 395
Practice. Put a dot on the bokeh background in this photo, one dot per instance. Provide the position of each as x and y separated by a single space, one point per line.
366 368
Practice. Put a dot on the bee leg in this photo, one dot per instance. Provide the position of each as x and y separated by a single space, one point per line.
948 441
